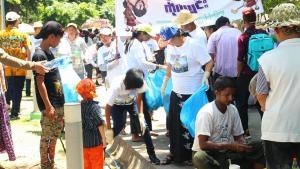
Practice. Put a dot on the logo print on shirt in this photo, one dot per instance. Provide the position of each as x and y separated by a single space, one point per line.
180 64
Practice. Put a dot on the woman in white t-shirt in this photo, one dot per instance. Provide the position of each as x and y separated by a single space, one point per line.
185 58
78 49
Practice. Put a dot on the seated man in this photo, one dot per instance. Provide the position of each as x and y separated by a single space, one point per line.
219 134
126 96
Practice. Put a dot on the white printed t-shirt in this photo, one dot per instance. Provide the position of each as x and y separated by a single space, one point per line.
186 62
118 95
219 127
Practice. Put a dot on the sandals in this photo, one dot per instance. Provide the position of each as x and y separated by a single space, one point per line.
168 160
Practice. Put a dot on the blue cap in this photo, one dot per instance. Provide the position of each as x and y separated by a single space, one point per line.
168 32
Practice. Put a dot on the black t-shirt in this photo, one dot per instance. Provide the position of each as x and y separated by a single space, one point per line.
52 82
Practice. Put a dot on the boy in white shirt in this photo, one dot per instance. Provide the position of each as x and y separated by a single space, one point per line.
219 134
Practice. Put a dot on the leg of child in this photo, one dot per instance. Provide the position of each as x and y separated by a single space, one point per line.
94 157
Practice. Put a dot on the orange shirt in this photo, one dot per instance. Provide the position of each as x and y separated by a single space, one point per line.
14 43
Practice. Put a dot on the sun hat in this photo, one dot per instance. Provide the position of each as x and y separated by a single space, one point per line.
145 28
50 27
72 24
286 14
105 31
168 32
184 17
12 16
38 24
86 88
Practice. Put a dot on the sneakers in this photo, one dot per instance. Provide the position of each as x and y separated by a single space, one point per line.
154 159
14 117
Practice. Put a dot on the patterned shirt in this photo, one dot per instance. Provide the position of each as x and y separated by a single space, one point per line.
14 43
91 120
262 86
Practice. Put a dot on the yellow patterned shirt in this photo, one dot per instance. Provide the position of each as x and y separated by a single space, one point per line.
14 43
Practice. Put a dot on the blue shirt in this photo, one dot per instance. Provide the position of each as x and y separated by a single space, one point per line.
91 120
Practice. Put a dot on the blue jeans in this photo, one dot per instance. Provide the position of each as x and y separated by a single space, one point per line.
15 85
117 113
279 155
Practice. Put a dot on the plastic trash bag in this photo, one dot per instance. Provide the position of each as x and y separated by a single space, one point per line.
191 108
154 82
69 77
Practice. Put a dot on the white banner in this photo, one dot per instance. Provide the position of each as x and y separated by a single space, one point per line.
130 13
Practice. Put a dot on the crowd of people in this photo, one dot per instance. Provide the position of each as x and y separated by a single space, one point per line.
231 62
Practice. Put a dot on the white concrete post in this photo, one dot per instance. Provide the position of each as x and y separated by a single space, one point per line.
73 130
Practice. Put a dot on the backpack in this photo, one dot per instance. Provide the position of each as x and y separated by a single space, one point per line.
258 45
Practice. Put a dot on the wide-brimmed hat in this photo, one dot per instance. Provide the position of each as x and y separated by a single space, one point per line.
145 28
184 17
282 15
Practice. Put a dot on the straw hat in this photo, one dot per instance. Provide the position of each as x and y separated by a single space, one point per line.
184 17
285 14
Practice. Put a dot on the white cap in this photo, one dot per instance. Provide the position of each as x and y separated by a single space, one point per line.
12 16
72 24
105 31
38 24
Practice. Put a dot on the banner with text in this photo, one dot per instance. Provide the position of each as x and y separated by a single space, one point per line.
130 13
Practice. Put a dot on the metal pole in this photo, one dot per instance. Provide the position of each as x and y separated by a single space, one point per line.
73 131
2 14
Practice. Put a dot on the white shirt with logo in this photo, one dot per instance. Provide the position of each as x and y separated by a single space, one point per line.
186 62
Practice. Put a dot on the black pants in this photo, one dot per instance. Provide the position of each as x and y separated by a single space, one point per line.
280 155
89 70
15 85
117 113
180 139
242 96
28 87
147 114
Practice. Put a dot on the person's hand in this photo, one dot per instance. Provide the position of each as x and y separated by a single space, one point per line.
205 78
40 68
109 136
163 67
104 143
50 112
236 147
164 85
142 123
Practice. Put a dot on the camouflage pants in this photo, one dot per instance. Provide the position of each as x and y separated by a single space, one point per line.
51 130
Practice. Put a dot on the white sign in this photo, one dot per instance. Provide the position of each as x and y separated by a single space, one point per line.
130 13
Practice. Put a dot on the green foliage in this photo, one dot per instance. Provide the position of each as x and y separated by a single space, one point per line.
63 11
270 4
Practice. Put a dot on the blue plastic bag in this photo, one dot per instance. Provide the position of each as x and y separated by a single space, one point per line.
69 79
154 82
191 108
